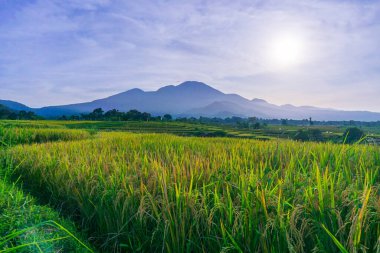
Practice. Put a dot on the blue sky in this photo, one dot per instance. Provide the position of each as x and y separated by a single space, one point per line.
58 52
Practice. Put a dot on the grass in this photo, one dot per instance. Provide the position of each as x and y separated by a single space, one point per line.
10 136
31 124
26 226
177 128
163 193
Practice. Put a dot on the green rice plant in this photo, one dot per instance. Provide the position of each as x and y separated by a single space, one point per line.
14 136
337 243
39 244
163 193
30 124
28 227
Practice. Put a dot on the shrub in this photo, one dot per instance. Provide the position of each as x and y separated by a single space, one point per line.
353 135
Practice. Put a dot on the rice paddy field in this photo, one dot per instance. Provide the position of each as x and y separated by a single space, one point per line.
25 225
123 190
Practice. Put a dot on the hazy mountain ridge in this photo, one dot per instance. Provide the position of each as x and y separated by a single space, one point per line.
196 99
15 105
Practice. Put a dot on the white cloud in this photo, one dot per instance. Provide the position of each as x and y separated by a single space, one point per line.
71 51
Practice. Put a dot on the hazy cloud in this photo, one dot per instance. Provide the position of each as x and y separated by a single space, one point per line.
58 52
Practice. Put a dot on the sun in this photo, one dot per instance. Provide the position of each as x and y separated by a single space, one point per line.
287 50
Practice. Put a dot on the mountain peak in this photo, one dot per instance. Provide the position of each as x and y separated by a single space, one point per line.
166 88
135 90
259 100
131 92
192 84
190 87
196 86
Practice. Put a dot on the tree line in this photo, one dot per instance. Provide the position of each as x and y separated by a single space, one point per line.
351 135
115 115
6 113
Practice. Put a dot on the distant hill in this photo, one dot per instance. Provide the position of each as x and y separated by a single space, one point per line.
15 106
196 99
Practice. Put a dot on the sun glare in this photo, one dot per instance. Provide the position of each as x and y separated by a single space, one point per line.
287 50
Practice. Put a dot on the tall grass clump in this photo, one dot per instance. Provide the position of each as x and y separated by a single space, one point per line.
13 136
26 226
161 193
31 124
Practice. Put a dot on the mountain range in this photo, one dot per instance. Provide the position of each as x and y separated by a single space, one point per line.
194 99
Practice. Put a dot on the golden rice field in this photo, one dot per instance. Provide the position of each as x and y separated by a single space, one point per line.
13 136
163 193
25 224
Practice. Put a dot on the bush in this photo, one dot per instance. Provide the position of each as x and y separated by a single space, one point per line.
309 135
353 135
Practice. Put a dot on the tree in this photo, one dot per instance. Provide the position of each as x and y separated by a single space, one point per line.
133 115
28 115
4 112
113 115
308 135
96 114
146 116
63 117
353 135
301 135
252 121
7 113
74 117
167 117
316 135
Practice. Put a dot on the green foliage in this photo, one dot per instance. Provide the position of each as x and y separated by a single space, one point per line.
309 135
6 113
13 136
28 227
167 117
156 192
150 193
353 135
217 133
113 115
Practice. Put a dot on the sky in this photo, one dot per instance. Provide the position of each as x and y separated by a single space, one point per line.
322 53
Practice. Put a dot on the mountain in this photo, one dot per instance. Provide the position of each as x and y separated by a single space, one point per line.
14 105
194 99
169 99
